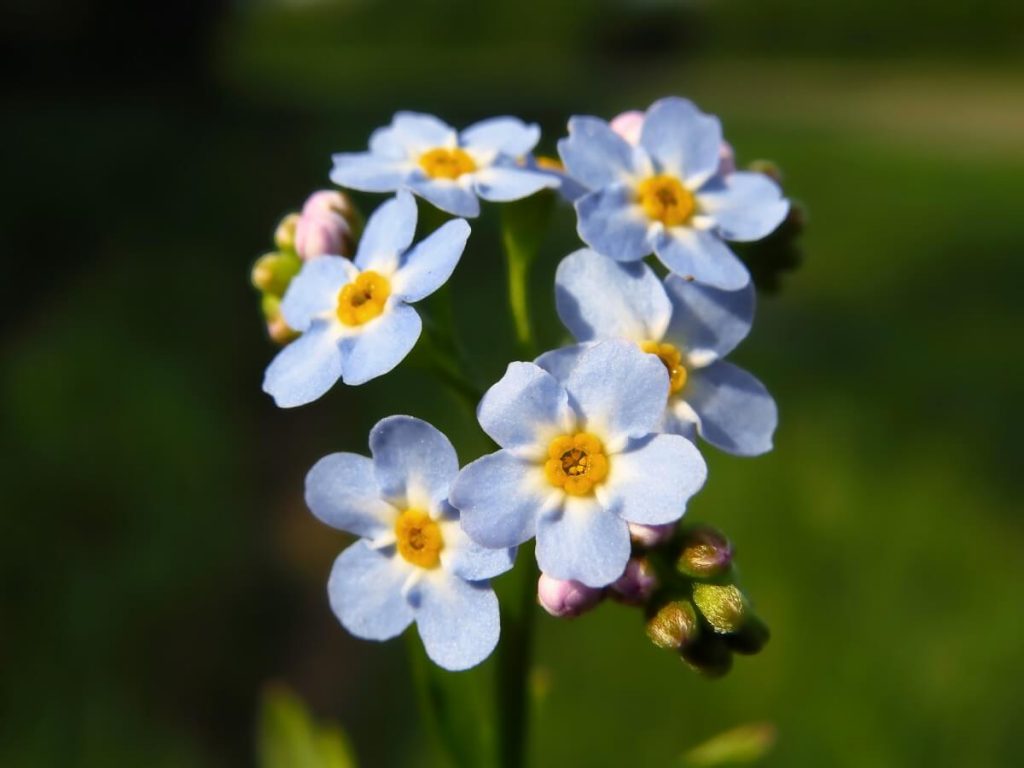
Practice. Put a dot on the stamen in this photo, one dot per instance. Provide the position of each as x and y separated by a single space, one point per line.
665 199
672 359
363 299
444 163
418 538
576 463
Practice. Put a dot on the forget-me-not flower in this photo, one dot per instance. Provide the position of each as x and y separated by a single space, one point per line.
355 317
688 326
449 169
412 562
577 461
666 195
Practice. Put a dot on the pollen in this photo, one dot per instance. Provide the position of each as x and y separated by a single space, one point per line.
576 463
363 299
549 163
419 538
672 359
444 163
665 199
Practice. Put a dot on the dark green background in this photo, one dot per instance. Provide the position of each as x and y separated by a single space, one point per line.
157 562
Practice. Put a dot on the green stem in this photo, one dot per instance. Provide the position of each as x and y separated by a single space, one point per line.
514 655
524 224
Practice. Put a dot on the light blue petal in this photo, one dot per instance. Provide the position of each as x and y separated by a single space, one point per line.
736 412
598 298
410 135
502 183
389 231
702 255
504 135
651 481
499 497
365 590
474 562
428 265
306 368
683 141
708 323
613 224
680 419
560 362
745 206
413 462
458 621
596 156
583 542
449 196
340 491
618 390
314 290
525 409
382 345
368 172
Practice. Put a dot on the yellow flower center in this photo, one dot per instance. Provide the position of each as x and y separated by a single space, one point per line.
549 163
576 463
665 199
363 299
419 538
443 163
672 359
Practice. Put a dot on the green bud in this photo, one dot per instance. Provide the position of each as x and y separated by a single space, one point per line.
709 655
273 272
706 553
284 235
768 168
724 607
751 638
674 626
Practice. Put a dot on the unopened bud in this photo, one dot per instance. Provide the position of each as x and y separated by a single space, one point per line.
706 553
709 655
651 535
278 330
273 272
325 226
724 607
284 235
628 125
674 626
726 159
637 583
768 168
752 637
563 598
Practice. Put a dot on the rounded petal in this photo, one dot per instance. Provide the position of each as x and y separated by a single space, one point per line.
708 323
525 410
736 412
744 205
560 362
369 172
503 135
680 419
682 140
382 344
411 134
449 196
651 481
501 183
413 462
427 266
583 542
340 491
598 298
469 560
458 621
365 590
306 368
314 290
611 223
389 231
596 156
702 255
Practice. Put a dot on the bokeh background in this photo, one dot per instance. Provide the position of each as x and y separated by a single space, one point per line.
158 566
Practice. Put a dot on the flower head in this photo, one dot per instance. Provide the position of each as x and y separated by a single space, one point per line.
688 327
355 317
579 459
666 194
447 168
324 227
412 562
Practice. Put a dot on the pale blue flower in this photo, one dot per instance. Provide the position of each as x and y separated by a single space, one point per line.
578 460
355 317
413 562
666 195
449 169
690 327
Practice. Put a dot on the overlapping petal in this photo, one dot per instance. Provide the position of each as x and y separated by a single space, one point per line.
707 322
505 135
413 462
314 290
453 197
744 205
427 266
583 541
736 412
683 141
525 409
341 491
610 222
701 255
382 344
596 156
501 184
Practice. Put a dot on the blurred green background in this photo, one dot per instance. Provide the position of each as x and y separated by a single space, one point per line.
157 561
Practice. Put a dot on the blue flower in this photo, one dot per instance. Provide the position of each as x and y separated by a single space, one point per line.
578 460
667 196
355 318
689 327
413 562
449 169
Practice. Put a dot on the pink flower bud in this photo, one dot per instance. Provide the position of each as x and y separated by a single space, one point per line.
323 227
628 125
651 535
726 159
637 583
564 599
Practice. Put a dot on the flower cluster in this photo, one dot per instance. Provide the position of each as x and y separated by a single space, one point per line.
597 442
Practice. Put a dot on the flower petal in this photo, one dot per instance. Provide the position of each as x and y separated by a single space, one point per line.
427 266
736 412
745 206
708 323
501 183
411 134
683 141
413 462
458 621
306 368
314 290
469 560
583 542
382 344
611 223
525 410
340 491
369 172
596 156
680 419
365 590
560 362
702 255
449 196
389 231
503 135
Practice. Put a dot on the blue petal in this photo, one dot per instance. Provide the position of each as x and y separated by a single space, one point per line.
583 542
708 323
368 172
702 255
598 298
500 183
682 140
525 410
560 362
499 497
469 560
340 490
613 224
618 390
503 135
314 290
736 412
411 134
382 344
450 196
680 419
651 481
457 621
596 156
413 462
365 590
306 368
389 231
427 266
745 206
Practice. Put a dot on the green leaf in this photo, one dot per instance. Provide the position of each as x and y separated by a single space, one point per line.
289 738
743 744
